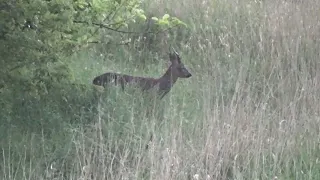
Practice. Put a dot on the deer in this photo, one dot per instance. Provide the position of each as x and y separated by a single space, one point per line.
162 85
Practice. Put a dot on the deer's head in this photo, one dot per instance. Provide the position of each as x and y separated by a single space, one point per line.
178 68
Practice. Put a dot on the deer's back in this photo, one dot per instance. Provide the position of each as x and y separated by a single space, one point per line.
124 79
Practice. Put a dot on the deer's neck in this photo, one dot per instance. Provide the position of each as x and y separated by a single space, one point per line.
168 79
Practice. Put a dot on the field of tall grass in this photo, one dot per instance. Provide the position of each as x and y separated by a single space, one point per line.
250 110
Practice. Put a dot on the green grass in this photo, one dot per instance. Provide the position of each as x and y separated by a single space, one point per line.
250 110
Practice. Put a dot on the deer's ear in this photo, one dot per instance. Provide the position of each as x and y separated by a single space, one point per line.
174 59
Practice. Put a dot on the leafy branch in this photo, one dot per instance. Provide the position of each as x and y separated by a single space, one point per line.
160 22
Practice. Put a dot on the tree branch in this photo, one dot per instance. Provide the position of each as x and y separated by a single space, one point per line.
120 31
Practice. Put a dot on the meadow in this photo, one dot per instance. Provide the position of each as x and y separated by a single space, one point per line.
250 110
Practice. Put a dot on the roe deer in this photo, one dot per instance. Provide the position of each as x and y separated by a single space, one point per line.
164 83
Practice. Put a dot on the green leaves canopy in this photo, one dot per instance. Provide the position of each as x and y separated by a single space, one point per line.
36 34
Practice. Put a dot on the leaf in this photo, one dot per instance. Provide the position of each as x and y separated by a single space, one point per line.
142 16
155 18
163 22
165 17
178 22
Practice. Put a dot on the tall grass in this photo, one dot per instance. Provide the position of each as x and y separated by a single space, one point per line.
250 110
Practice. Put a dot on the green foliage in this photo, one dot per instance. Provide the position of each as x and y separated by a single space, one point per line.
36 36
167 21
